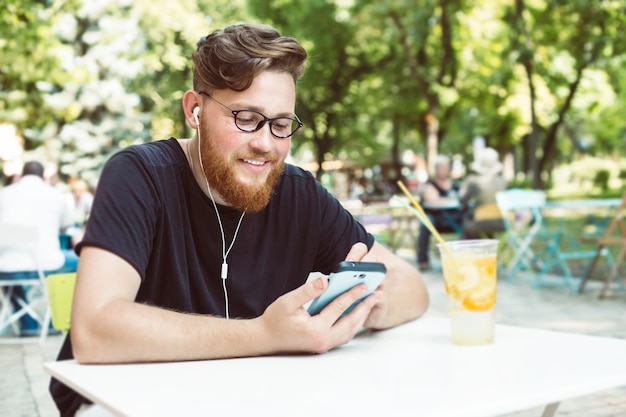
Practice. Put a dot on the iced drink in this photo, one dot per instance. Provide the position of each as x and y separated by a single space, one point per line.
469 272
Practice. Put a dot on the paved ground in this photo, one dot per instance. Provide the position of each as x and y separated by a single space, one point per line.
24 385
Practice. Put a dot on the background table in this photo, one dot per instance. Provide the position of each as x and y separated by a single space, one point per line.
411 370
449 210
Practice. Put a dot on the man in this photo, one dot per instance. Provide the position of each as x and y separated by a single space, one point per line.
440 193
184 234
32 202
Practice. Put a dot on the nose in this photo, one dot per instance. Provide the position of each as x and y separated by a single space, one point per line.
262 139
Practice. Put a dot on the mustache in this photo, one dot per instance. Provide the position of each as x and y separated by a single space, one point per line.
268 156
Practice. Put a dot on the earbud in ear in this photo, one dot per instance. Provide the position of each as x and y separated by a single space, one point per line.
196 113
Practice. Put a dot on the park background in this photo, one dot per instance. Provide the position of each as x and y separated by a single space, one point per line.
389 85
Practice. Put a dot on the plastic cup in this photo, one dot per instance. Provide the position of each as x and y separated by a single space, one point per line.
469 273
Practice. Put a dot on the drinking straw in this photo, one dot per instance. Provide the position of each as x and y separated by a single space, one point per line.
422 216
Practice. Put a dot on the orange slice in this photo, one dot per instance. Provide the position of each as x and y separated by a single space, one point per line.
473 283
480 301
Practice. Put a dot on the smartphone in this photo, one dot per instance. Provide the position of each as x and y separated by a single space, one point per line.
347 276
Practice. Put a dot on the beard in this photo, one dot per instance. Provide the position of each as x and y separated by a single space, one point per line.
220 173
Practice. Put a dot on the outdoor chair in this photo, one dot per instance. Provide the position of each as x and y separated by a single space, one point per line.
34 303
522 216
404 225
61 295
613 235
566 246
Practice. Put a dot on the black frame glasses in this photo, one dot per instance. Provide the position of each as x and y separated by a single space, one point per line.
250 121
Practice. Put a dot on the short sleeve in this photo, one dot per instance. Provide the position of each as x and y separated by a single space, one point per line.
124 212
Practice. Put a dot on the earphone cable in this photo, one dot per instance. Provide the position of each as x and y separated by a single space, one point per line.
225 252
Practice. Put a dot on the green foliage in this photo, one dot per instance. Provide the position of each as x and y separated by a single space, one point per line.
560 43
337 64
86 78
29 57
523 183
601 179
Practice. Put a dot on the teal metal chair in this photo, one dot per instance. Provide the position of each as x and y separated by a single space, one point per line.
522 216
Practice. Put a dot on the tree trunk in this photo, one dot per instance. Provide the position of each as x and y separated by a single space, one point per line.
432 139
322 146
551 136
533 138
395 150
527 60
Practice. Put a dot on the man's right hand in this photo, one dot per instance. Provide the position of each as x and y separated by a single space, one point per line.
288 327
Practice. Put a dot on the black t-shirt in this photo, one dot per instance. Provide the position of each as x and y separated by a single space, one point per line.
150 211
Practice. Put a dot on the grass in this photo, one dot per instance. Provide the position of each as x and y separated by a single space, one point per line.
578 193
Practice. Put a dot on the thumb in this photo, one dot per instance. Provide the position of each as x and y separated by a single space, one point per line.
308 291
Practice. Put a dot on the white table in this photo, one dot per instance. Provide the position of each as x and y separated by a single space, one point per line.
412 370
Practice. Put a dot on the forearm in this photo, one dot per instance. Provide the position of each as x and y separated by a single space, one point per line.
405 294
123 331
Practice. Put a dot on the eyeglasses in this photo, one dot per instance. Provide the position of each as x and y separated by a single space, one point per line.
251 121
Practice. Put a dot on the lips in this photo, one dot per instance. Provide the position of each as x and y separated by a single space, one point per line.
255 162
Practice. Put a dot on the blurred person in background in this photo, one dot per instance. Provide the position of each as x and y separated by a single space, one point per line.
32 202
439 190
478 196
79 201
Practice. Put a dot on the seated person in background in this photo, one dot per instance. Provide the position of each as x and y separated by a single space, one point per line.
478 194
79 201
32 202
187 233
439 190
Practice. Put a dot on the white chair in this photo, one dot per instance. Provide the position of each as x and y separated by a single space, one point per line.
34 305
521 213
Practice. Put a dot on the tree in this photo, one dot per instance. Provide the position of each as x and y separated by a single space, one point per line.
424 38
29 49
556 41
115 74
83 79
325 101
445 79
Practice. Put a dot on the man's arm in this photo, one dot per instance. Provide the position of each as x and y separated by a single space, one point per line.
109 327
404 296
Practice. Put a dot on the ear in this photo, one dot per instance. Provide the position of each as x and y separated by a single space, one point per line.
191 100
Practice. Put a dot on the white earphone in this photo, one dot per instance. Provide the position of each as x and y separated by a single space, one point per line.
196 113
